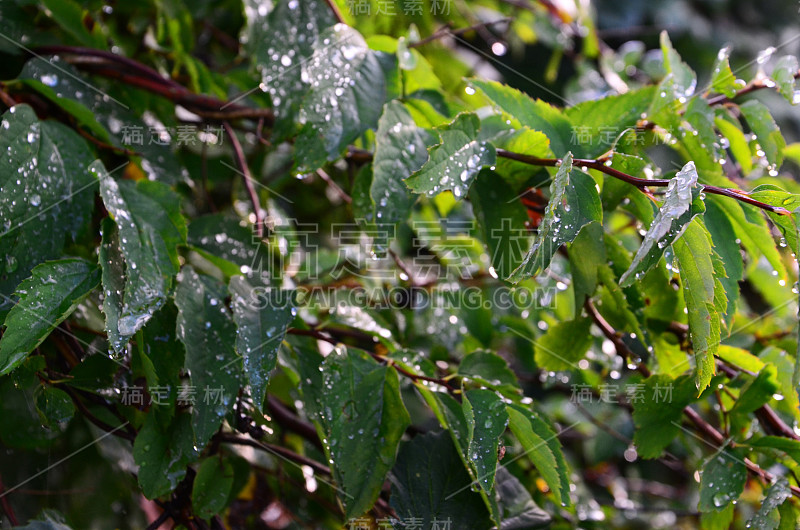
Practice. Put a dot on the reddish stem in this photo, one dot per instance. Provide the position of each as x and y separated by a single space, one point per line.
640 183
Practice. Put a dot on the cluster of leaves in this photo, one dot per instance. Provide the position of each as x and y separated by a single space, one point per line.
159 304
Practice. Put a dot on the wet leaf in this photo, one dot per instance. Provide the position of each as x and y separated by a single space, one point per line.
47 193
207 331
574 202
680 206
49 296
141 254
456 161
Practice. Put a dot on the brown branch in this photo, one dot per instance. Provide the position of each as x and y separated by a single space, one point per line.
274 449
383 360
7 100
12 517
640 183
337 14
248 178
335 187
766 416
126 434
446 31
160 520
612 335
131 72
103 145
287 419
706 429
752 86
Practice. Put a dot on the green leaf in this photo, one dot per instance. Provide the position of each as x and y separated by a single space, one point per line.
587 254
532 143
534 439
262 315
69 15
18 26
54 406
684 80
429 482
775 196
699 139
125 126
536 449
279 43
739 147
757 391
752 229
700 288
723 237
574 202
787 445
766 130
658 414
226 242
486 418
718 520
534 114
768 517
785 367
400 150
487 368
47 298
722 79
163 353
740 358
48 520
783 75
678 209
456 161
347 94
208 333
21 427
83 116
149 230
620 304
519 510
363 418
722 480
162 454
563 345
593 119
212 486
502 219
47 192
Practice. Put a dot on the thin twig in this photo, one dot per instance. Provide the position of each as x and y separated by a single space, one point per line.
384 360
722 99
12 517
612 335
248 178
335 187
640 183
445 31
160 520
283 416
137 74
337 14
275 449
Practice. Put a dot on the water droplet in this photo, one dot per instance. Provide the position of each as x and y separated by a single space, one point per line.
11 264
